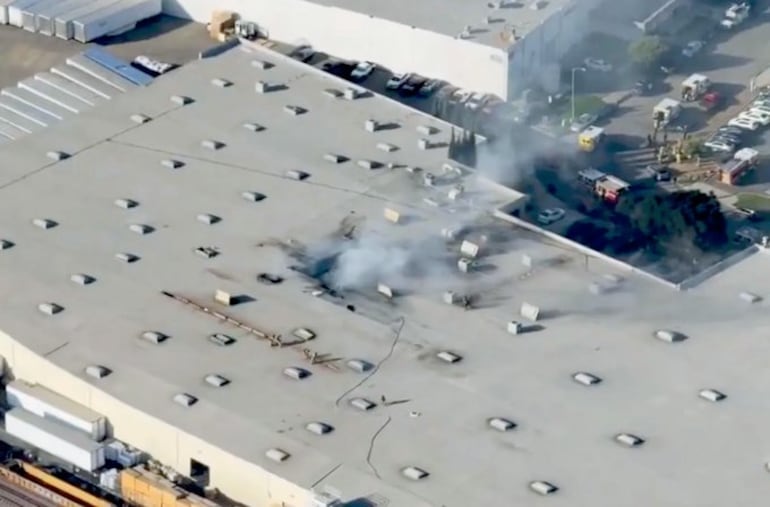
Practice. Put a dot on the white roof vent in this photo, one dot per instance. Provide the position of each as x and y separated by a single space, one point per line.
501 424
212 144
303 334
294 110
254 127
221 82
368 164
208 219
97 371
427 130
587 379
628 440
140 118
154 336
5 244
221 339
319 428
261 64
332 93
141 228
207 252
126 257
181 100
126 203
44 223
217 380
750 297
82 279
297 175
712 395
50 308
449 357
186 400
391 215
543 488
171 163
414 473
253 196
277 455
362 404
387 147
669 336
538 4
335 158
57 155
296 373
359 365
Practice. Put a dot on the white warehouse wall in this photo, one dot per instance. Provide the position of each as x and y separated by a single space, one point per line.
235 477
352 35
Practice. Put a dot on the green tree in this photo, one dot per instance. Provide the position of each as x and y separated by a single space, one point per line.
682 218
647 51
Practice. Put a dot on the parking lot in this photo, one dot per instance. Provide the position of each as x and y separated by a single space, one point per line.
164 38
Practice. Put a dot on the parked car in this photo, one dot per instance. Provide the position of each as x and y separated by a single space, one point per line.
413 85
551 215
692 48
598 64
430 87
303 53
759 109
748 213
643 87
338 68
362 70
396 81
744 123
763 118
724 136
719 145
460 96
726 129
582 122
659 172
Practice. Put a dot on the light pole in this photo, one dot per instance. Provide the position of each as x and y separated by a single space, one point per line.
574 69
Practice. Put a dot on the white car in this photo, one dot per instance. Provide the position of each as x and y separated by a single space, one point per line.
551 215
761 103
598 64
362 70
396 81
692 48
757 116
760 109
720 145
154 66
744 123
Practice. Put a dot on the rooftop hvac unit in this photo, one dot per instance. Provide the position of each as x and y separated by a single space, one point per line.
529 311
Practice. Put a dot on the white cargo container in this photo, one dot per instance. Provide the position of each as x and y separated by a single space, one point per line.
45 20
55 438
16 9
4 4
45 403
29 14
114 19
63 22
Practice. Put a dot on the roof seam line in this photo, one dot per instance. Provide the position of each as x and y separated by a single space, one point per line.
371 447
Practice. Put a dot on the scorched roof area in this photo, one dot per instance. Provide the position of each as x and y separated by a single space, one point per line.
394 387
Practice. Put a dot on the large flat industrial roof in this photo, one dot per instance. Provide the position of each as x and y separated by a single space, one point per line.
435 414
487 19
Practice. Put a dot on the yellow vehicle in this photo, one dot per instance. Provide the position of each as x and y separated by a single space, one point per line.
590 138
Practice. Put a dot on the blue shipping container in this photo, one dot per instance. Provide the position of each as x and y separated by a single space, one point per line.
118 66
